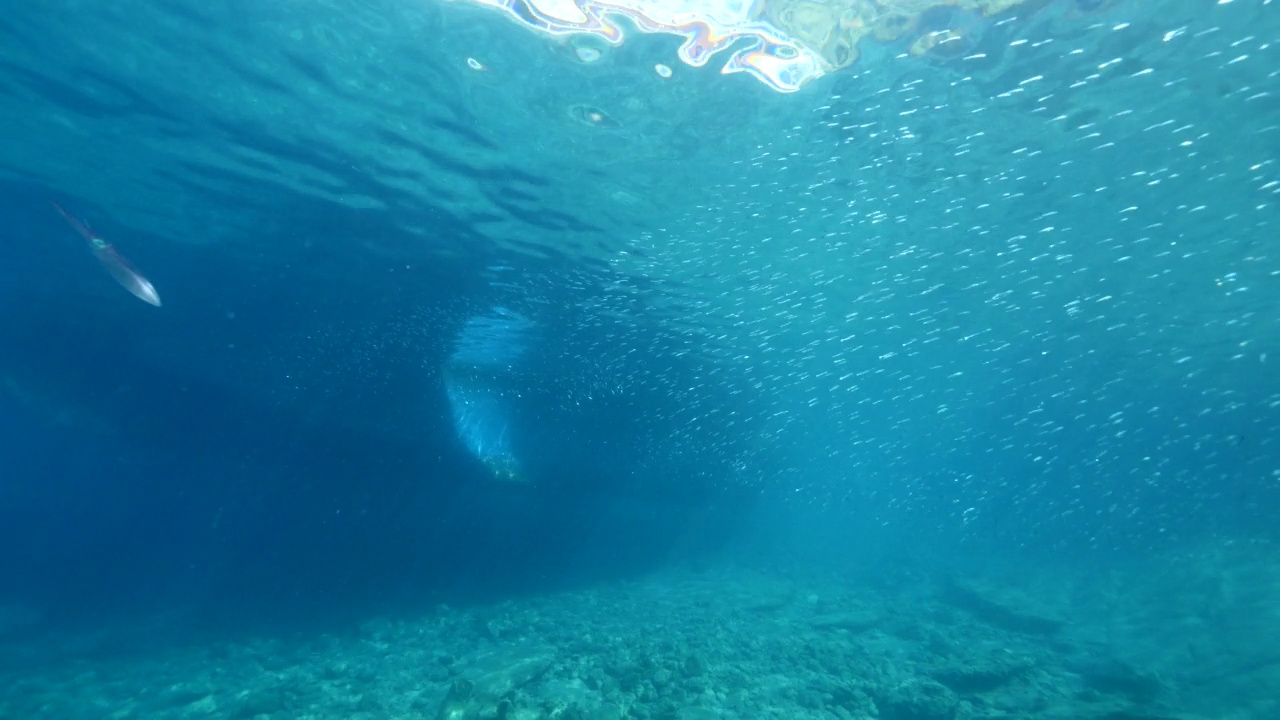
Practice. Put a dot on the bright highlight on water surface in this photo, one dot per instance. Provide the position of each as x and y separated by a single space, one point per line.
783 43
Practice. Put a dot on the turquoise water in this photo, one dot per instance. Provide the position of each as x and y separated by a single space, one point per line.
855 359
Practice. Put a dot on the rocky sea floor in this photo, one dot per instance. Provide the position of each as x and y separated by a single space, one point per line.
727 644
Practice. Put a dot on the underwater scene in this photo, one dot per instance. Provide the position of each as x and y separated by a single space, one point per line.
640 360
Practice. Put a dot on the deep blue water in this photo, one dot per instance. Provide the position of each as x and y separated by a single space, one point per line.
434 334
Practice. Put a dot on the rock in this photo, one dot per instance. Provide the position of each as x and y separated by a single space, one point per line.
768 605
253 703
1115 677
484 689
918 700
176 696
980 675
854 622
694 666
1001 608
607 711
697 713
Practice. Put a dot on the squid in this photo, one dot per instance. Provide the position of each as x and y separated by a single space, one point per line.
116 265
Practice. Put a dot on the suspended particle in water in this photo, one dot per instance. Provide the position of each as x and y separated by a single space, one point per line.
474 64
662 70
592 116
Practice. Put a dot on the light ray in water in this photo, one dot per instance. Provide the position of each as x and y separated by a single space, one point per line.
482 421
476 381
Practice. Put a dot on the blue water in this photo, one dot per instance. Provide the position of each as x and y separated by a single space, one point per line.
958 369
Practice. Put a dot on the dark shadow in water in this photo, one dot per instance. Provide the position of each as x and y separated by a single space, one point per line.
274 449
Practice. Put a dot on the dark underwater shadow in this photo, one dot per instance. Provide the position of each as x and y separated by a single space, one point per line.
273 457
